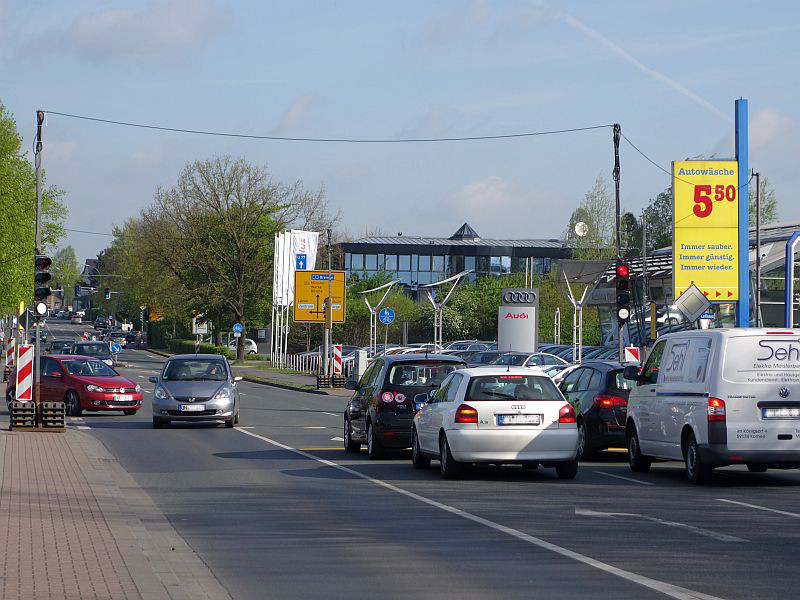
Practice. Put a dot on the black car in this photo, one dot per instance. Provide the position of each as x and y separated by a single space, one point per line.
60 347
484 358
599 393
382 409
100 350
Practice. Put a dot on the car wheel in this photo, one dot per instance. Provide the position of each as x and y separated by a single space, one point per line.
349 445
567 470
637 461
236 416
757 468
374 449
419 460
129 412
229 423
696 471
74 404
450 467
585 452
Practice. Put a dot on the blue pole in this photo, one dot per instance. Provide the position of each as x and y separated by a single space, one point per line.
743 306
788 290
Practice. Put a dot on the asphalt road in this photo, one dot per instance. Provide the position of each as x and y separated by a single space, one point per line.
278 510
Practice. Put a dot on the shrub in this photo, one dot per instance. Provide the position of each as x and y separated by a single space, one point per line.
177 346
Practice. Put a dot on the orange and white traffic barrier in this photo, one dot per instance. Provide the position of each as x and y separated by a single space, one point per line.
337 359
24 391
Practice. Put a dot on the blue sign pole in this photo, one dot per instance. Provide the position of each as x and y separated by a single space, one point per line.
743 306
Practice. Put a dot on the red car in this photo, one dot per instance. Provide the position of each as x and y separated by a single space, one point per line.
84 383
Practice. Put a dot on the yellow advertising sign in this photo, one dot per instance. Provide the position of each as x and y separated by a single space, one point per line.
705 212
311 292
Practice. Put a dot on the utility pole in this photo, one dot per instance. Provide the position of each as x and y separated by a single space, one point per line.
758 251
328 314
618 230
37 352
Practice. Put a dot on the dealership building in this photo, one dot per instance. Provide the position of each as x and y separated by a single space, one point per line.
419 260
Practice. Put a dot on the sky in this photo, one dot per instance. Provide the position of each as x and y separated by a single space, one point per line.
668 72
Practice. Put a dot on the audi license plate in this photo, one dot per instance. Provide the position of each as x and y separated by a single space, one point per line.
519 419
191 407
123 398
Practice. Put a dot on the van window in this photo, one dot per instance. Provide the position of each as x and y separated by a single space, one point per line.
697 367
653 364
762 359
674 363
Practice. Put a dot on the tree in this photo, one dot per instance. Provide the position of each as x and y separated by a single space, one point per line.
597 212
66 272
631 234
659 221
769 204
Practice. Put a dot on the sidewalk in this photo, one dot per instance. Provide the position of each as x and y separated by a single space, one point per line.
76 525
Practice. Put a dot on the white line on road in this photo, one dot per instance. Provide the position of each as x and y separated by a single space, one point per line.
337 439
331 414
722 537
673 591
83 427
317 427
621 477
757 507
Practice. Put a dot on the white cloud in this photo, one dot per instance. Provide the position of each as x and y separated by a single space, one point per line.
300 111
454 24
768 126
161 29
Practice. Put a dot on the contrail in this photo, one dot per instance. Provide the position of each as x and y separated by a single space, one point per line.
599 37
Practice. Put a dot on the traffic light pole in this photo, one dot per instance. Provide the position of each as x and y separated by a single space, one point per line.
37 352
618 230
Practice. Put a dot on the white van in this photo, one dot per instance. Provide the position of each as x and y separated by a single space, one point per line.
717 397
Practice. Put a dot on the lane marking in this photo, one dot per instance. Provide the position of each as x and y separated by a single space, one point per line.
722 537
247 427
331 414
82 427
757 507
337 439
621 477
327 449
668 589
317 427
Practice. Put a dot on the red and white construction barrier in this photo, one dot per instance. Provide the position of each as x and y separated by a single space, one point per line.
24 391
9 352
337 359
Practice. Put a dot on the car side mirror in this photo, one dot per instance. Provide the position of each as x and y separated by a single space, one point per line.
351 385
152 379
56 374
631 372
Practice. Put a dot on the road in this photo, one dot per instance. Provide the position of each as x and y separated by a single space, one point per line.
278 510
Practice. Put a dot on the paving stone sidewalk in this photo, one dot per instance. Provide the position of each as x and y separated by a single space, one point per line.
72 525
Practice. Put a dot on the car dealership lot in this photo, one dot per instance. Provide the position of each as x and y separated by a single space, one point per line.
277 504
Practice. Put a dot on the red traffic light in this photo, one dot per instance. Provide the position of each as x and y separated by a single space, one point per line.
623 270
42 262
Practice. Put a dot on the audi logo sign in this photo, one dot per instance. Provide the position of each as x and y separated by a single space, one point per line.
517 320
519 297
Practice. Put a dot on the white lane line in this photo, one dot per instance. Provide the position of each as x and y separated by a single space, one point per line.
757 507
82 427
337 439
331 414
318 427
246 427
722 537
668 589
621 477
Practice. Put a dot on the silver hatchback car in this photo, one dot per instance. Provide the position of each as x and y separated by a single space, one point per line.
195 387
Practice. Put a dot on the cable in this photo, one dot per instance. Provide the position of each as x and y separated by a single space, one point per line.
23 255
330 140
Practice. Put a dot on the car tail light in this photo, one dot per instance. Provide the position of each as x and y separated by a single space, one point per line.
466 414
387 396
566 414
716 409
609 400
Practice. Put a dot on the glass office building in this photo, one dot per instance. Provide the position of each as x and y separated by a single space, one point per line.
420 260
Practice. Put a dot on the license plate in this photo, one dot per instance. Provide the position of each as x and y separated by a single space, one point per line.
191 407
519 419
780 413
123 397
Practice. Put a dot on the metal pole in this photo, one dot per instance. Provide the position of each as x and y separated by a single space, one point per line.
37 347
758 251
328 314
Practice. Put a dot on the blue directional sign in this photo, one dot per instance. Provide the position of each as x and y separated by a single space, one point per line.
116 348
300 262
386 316
237 328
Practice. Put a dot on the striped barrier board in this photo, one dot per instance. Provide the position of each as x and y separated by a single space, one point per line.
10 352
337 359
24 390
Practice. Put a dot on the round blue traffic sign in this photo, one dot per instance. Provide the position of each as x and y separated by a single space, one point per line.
237 328
386 316
116 348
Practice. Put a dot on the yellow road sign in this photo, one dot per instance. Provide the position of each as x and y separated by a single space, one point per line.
706 228
311 292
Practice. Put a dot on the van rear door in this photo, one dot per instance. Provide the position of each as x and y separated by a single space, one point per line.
761 390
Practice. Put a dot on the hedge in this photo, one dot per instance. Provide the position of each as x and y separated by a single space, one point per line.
187 347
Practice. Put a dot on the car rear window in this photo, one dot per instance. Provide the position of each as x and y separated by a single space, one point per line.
771 359
512 387
618 382
420 374
98 349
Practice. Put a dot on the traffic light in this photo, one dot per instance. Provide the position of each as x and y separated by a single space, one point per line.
623 284
107 293
41 277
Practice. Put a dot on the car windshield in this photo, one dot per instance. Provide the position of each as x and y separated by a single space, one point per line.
511 387
514 360
194 369
88 368
98 349
420 374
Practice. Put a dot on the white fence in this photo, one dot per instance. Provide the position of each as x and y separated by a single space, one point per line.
310 363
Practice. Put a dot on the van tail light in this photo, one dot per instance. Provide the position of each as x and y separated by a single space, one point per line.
566 414
716 409
609 401
466 414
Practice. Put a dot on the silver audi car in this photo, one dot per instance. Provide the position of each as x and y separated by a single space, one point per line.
195 387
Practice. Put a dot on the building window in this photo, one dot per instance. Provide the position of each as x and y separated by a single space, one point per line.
357 262
469 263
548 264
438 264
482 265
518 264
425 277
405 277
424 263
538 266
347 261
494 266
455 264
371 262
404 262
391 262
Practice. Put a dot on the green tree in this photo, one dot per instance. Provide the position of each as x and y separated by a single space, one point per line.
66 272
597 213
631 234
769 203
659 221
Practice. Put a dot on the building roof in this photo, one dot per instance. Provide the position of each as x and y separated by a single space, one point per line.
465 232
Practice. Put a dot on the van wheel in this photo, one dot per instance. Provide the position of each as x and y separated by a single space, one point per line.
567 470
450 468
696 471
757 468
419 460
637 461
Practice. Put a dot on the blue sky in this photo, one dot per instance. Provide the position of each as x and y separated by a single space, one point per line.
667 72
